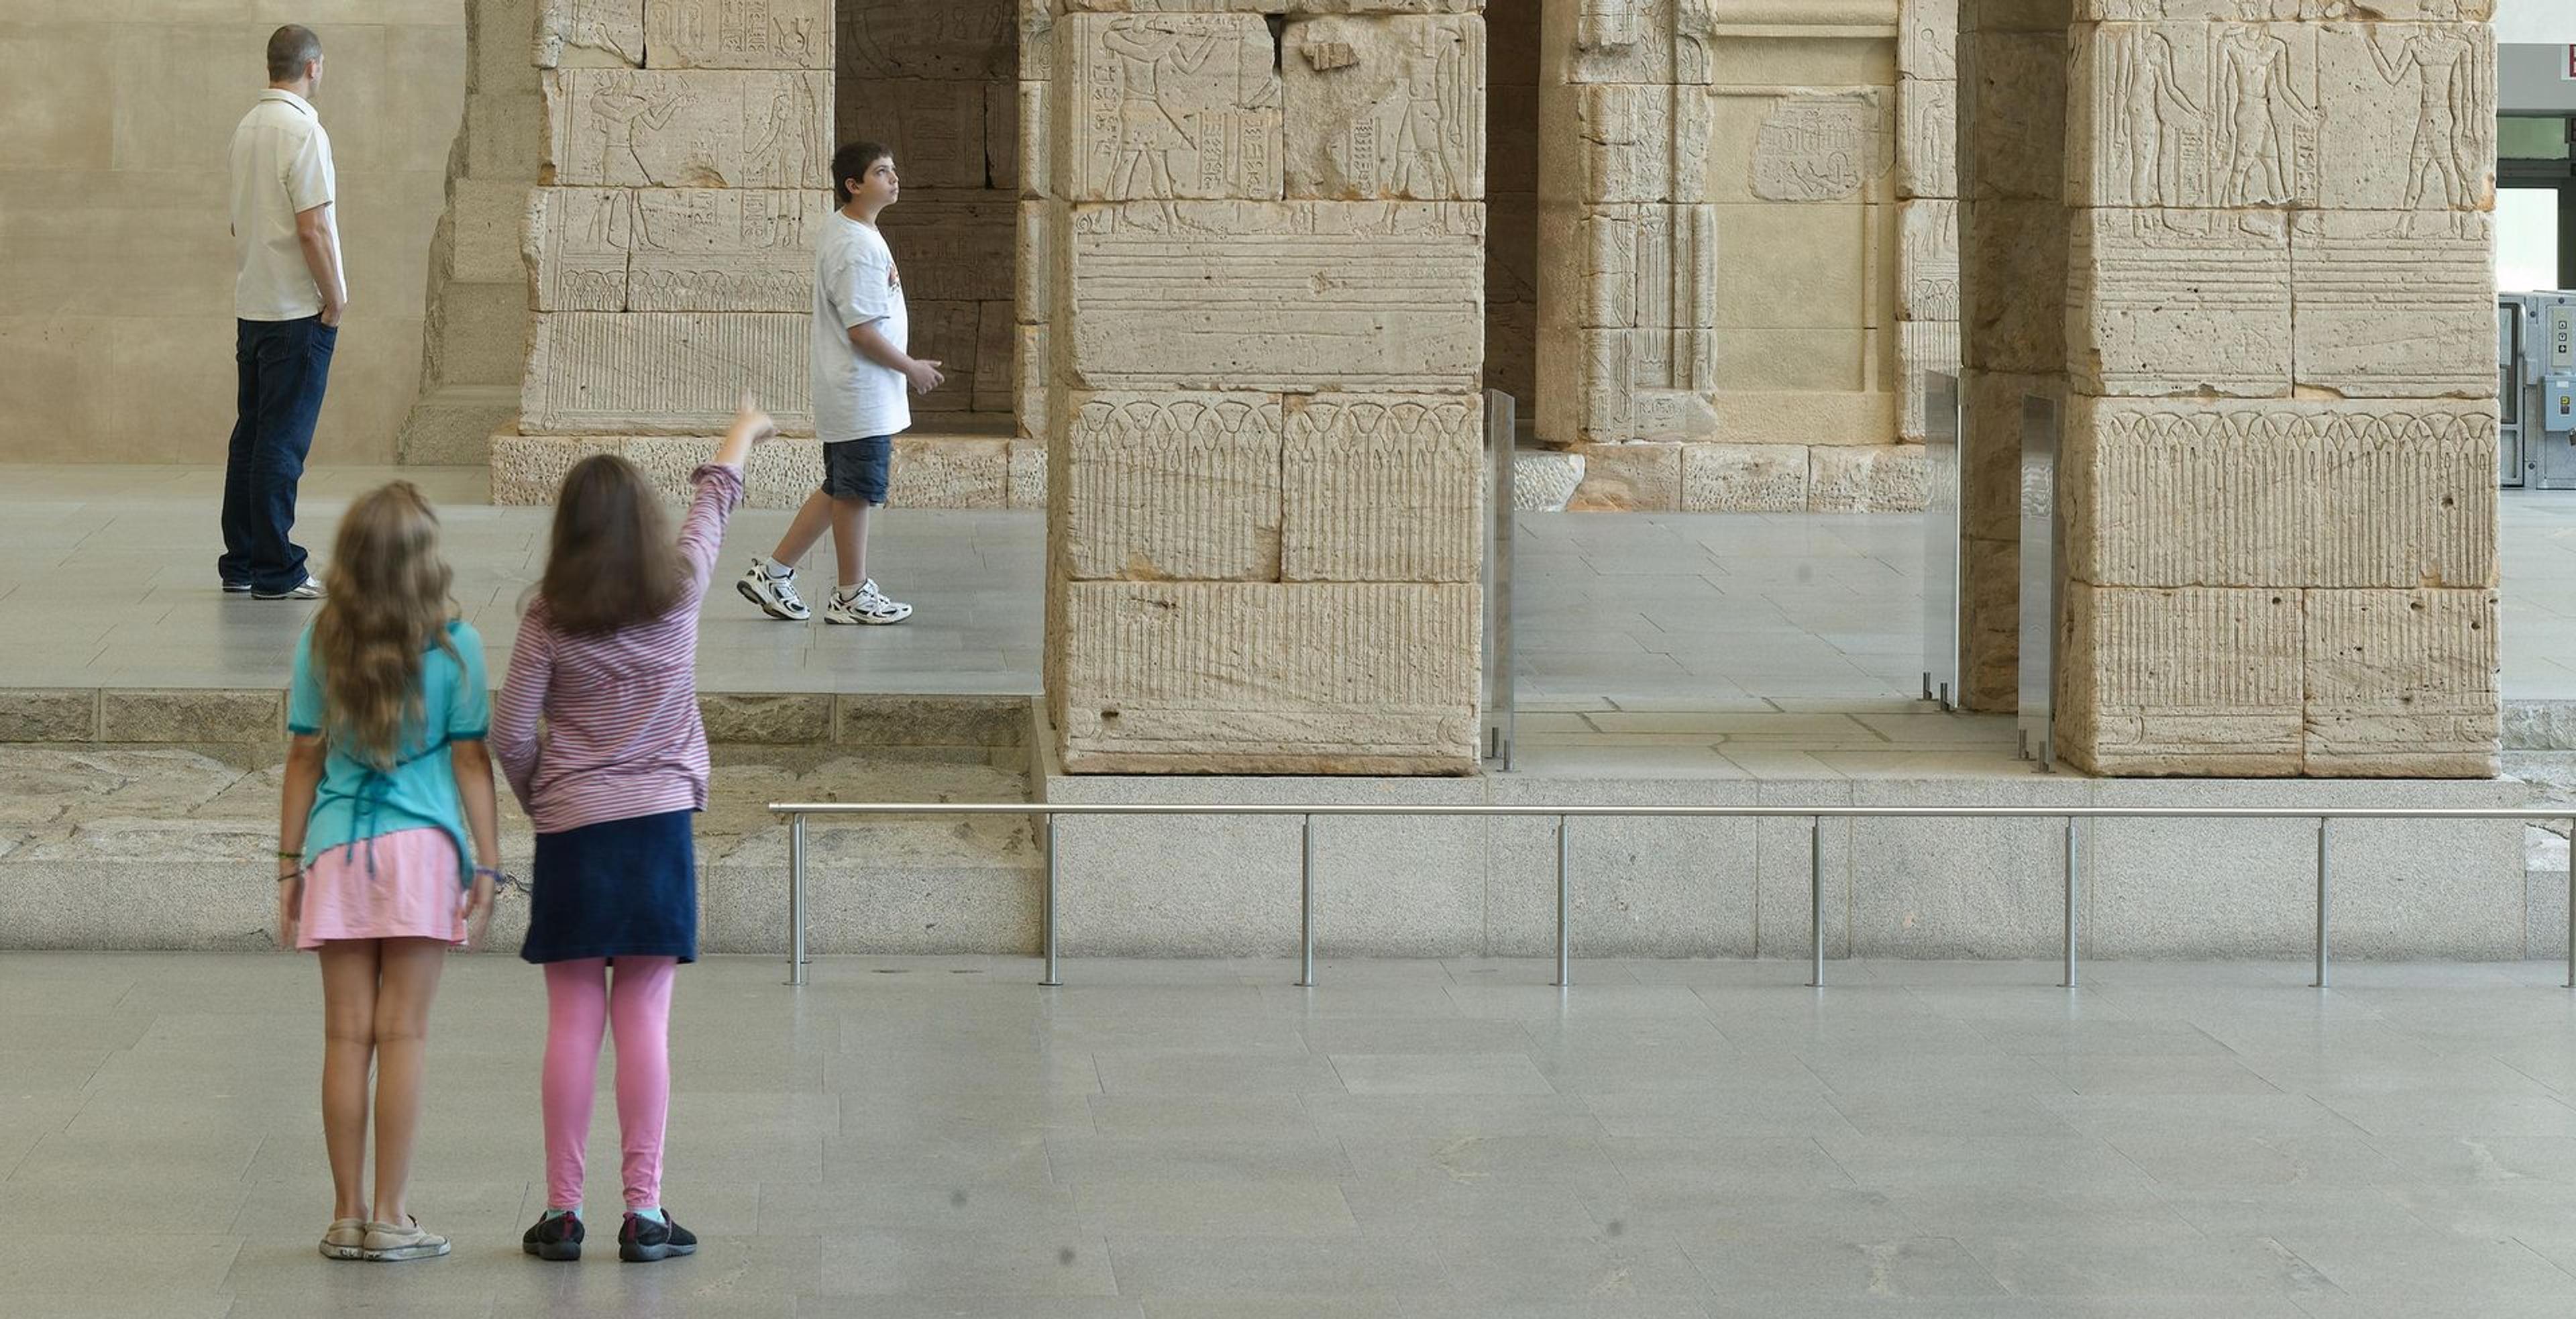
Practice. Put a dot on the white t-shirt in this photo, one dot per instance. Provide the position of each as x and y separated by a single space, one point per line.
854 283
281 165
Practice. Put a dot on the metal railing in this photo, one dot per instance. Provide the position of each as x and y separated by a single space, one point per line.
798 812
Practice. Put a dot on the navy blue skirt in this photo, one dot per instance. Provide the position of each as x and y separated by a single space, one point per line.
619 888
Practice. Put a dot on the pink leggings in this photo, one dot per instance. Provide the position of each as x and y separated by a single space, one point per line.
579 1002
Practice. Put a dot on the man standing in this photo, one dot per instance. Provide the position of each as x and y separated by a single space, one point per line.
288 295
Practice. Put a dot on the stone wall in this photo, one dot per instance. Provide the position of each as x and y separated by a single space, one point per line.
1261 240
2275 357
1744 300
116 271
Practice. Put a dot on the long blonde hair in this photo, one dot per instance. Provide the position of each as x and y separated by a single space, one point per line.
386 602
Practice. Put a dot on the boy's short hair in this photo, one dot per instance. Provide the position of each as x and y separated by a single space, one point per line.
853 160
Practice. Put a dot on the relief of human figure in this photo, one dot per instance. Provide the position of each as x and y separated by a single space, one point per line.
2447 146
1430 111
2149 111
622 114
1149 134
785 143
2260 115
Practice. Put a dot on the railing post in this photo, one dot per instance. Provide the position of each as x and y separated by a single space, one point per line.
1306 907
2069 982
796 899
2324 902
1816 899
2571 905
1050 977
1564 911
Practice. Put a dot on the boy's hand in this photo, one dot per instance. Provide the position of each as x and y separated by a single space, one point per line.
924 375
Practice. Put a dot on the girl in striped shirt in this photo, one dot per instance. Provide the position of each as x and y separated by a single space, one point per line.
607 656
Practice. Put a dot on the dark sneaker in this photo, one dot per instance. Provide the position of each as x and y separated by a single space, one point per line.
232 587
556 1238
643 1240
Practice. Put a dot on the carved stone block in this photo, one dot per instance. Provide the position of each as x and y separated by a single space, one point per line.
2013 311
2394 303
1280 296
2187 114
1922 347
1036 145
1927 138
1927 261
956 40
1744 478
1166 105
950 471
662 373
996 381
1639 42
529 469
1159 487
951 334
1033 271
2410 117
2013 116
2179 302
952 247
2193 682
661 129
1385 107
1629 478
1002 168
724 249
578 242
602 34
2174 492
1651 267
738 34
1927 38
1639 144
1315 678
1382 488
1867 478
935 129
2402 684
1823 146
1631 385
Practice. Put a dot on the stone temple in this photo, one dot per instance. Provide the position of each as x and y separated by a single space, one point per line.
1262 259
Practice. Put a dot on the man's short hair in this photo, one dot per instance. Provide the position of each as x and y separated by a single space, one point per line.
290 48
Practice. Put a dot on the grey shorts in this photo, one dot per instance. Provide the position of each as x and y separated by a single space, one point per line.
858 469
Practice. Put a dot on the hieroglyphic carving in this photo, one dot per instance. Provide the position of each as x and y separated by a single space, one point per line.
2293 493
1643 143
951 334
605 34
935 129
1632 385
738 34
1382 488
733 249
1168 105
578 243
2193 114
1927 39
1285 296
1927 144
1649 266
1928 261
1171 486
646 128
636 373
954 40
2394 304
1635 41
953 249
1921 347
1822 146
2414 115
1387 107
2179 302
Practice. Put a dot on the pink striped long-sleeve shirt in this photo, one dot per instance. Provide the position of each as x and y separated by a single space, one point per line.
622 733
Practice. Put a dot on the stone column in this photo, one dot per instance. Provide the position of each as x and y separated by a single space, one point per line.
2279 369
1927 208
668 246
1264 232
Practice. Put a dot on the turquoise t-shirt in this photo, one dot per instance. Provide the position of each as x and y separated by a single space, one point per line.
356 801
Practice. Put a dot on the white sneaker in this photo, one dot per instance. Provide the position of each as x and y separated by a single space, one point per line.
865 605
775 593
387 1243
309 589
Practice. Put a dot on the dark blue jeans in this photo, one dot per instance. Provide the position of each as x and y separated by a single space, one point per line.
283 366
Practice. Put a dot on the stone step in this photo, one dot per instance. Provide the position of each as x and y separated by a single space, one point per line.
452 425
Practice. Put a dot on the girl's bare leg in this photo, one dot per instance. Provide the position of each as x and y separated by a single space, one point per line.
348 1045
409 983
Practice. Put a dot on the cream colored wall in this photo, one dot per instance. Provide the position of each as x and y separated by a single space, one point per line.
116 325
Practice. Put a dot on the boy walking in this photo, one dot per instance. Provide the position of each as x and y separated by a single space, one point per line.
861 370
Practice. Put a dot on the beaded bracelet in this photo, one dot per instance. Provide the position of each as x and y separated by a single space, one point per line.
501 881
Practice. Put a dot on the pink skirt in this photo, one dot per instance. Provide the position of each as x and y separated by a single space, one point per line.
414 892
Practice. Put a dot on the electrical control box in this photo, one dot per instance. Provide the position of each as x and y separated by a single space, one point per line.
2558 405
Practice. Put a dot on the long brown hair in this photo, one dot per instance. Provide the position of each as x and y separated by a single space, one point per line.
612 562
386 602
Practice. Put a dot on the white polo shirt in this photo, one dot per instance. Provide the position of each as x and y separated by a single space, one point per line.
281 165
